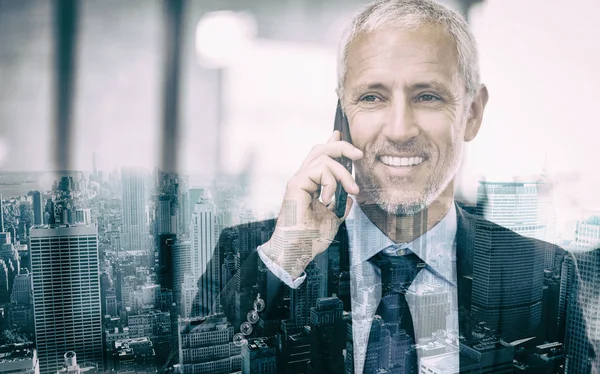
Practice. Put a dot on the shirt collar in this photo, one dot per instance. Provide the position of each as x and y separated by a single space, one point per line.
435 247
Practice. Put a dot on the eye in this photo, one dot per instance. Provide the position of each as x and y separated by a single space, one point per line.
369 98
427 98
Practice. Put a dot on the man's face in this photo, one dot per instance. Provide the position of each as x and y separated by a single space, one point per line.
407 111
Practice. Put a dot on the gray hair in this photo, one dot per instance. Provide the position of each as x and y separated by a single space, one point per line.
412 14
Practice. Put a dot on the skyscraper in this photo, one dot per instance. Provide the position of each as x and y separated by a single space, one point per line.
522 307
516 206
203 240
1 214
181 265
303 298
134 209
66 293
163 217
38 208
524 207
583 324
327 331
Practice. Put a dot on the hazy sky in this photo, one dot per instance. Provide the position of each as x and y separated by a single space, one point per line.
539 58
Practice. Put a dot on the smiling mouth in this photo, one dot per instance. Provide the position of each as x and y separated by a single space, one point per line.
401 161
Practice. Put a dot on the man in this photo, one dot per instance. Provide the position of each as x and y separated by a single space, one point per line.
412 269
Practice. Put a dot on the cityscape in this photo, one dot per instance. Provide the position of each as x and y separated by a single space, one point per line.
126 272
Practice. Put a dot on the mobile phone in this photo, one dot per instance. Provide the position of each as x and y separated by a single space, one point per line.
341 124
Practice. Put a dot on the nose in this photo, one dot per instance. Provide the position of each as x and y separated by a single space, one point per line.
401 124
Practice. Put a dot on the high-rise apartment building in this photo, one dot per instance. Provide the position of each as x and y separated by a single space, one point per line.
135 232
66 293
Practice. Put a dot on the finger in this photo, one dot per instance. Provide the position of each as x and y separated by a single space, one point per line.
328 187
349 203
334 150
335 136
339 149
326 164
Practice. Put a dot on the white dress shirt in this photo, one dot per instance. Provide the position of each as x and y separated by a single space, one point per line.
432 296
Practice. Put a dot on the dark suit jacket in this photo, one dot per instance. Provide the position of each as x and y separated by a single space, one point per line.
502 286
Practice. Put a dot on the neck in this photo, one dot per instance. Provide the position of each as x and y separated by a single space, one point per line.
405 229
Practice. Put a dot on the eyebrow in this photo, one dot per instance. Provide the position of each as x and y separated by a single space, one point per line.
432 84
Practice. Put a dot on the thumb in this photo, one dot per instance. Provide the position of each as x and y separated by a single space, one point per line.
349 203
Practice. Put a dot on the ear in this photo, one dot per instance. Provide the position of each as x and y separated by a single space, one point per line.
475 114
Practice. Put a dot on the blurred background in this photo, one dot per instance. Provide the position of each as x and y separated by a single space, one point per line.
230 87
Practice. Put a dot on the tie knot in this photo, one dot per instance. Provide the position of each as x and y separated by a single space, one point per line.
397 271
397 250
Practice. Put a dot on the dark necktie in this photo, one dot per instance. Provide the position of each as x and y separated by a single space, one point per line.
392 333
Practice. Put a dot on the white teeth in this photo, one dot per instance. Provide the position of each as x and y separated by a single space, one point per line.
401 161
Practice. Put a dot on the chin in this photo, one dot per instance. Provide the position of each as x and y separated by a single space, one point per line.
402 209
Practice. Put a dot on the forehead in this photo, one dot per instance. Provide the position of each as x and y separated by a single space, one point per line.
393 53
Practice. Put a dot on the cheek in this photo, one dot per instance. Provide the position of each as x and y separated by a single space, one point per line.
364 128
441 128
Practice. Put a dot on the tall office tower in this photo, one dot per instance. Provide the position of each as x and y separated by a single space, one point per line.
431 307
183 213
583 325
1 214
66 294
206 346
38 208
227 269
164 272
181 265
163 216
327 332
4 286
49 216
522 307
587 233
127 292
21 292
134 209
203 239
111 303
9 268
259 357
19 359
190 306
523 207
303 298
565 293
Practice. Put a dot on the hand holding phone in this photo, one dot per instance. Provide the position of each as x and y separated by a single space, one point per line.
325 174
341 125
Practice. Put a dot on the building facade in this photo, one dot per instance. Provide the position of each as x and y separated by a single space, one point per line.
66 293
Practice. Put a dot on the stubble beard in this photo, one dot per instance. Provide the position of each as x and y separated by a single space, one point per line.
396 199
